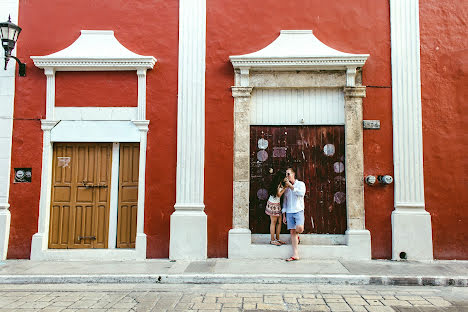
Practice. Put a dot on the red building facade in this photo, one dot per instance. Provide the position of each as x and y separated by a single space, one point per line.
152 28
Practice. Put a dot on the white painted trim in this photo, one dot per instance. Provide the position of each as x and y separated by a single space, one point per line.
298 49
7 96
188 222
94 50
114 196
39 244
95 131
96 113
407 135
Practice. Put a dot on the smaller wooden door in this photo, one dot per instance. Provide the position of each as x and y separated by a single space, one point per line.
79 215
128 195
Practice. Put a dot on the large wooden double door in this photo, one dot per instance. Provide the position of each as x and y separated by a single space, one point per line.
80 199
318 155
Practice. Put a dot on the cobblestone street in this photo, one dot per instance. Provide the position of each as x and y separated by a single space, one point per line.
229 297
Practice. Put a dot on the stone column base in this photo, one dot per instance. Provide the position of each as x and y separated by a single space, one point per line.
188 240
411 234
5 218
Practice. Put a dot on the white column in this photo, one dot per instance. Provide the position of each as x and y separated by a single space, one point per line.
140 243
50 93
188 238
40 239
7 95
411 223
141 115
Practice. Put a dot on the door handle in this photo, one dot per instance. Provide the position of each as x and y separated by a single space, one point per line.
86 237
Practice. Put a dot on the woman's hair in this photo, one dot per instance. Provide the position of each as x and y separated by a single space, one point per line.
277 179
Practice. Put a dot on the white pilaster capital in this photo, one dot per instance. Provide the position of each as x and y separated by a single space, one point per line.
241 91
141 72
351 76
142 125
355 92
49 71
47 125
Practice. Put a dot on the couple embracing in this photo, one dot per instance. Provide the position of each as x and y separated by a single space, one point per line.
292 212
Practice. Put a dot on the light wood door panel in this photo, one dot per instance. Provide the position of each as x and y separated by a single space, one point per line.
80 195
128 195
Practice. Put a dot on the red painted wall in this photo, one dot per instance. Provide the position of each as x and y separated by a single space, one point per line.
244 26
145 27
151 28
444 77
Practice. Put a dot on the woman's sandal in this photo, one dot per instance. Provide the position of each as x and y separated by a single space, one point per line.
298 240
280 241
291 259
274 242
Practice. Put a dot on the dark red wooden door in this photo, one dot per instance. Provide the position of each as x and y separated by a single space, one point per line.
317 153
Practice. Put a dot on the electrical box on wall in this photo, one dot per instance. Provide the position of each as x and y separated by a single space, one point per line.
23 175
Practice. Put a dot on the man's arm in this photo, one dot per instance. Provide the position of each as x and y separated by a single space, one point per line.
299 189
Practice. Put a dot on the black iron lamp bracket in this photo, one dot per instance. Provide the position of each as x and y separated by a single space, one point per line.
22 66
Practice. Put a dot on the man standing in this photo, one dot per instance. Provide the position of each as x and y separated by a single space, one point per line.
293 209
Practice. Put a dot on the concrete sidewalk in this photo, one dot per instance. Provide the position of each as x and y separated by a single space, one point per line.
374 272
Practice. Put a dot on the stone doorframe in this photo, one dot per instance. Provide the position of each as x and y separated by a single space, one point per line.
358 242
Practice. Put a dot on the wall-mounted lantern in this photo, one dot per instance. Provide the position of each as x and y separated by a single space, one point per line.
9 33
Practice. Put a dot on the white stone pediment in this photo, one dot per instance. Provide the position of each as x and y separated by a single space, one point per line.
298 50
95 50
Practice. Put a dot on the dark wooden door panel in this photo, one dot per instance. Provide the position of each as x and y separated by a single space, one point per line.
317 154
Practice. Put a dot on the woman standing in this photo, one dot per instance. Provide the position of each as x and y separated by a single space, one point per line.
273 207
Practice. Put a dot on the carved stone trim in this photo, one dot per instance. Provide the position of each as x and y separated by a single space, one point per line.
355 92
241 91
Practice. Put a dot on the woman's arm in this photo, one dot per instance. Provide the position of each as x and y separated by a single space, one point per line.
280 190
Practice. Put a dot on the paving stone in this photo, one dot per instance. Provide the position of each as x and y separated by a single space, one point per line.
438 302
58 309
290 300
409 297
337 300
270 307
339 307
379 309
61 303
311 301
372 297
249 306
420 303
207 299
230 309
232 305
399 303
374 302
330 296
358 308
356 301
207 306
273 299
229 300
315 308
82 304
35 305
